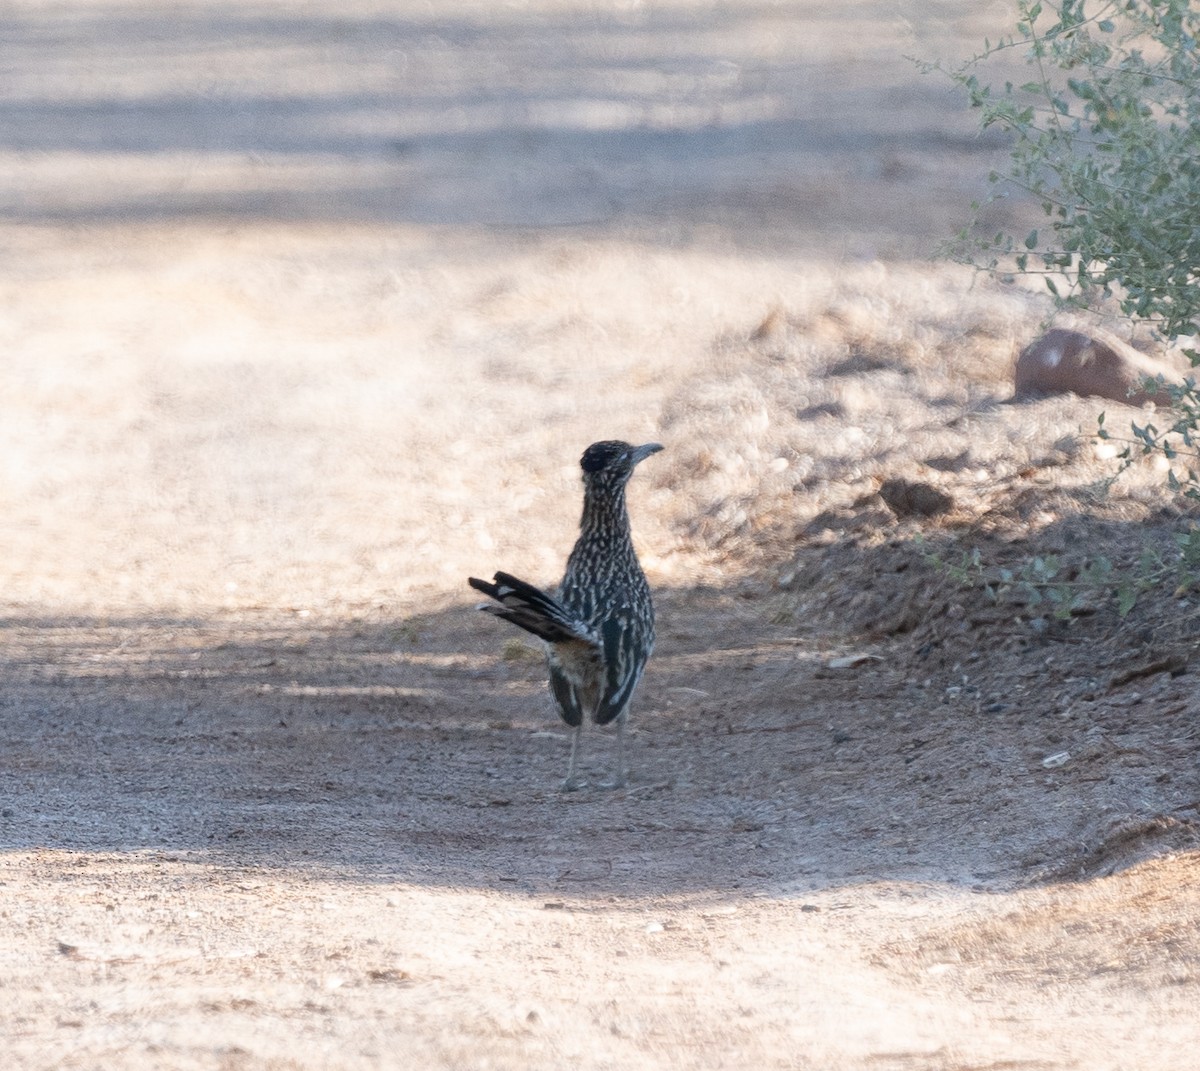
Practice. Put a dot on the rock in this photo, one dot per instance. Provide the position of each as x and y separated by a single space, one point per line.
912 498
1097 364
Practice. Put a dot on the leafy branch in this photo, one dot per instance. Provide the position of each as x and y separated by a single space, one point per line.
1178 441
1053 587
1107 136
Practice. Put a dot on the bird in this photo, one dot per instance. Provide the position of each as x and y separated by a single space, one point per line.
599 627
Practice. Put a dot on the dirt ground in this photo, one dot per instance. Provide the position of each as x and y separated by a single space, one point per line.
308 311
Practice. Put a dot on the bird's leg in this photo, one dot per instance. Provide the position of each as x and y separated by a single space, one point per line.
574 781
622 773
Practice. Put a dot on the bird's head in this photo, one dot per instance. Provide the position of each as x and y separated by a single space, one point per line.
612 461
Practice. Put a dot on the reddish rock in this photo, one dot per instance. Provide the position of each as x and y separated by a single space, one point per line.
1097 364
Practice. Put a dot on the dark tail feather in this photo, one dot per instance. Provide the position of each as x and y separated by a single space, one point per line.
532 609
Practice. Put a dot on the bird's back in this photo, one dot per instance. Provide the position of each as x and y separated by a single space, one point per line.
604 585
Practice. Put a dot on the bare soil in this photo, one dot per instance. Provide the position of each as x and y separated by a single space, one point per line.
308 312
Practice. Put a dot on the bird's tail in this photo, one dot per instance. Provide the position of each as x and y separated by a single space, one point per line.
532 609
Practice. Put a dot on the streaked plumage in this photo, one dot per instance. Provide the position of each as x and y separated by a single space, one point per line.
599 630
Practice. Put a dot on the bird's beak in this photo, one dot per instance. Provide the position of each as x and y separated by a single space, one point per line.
640 453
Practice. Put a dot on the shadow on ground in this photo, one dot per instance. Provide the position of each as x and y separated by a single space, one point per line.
759 123
765 756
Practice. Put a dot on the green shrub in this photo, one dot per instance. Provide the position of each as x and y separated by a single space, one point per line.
1106 134
1107 137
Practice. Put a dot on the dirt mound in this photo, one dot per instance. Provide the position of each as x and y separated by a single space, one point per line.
799 432
1125 844
1051 934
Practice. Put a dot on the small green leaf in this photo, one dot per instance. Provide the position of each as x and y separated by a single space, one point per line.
1126 600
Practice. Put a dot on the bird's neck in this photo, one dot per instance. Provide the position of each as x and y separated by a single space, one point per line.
604 514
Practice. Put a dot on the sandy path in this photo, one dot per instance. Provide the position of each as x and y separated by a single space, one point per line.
306 316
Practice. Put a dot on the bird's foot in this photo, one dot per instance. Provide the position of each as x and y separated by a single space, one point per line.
574 783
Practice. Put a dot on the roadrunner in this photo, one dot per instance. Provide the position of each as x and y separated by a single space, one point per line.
599 631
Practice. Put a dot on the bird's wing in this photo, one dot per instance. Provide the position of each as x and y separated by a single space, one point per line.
566 697
625 653
532 609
